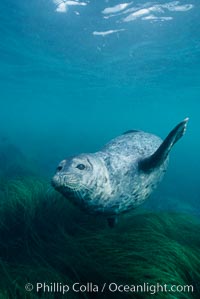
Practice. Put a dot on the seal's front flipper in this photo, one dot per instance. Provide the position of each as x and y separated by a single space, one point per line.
162 152
112 221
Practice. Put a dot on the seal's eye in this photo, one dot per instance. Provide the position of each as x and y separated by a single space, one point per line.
80 166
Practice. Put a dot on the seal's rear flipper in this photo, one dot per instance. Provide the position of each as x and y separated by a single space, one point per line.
162 152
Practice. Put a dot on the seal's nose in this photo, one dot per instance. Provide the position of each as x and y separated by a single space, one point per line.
59 168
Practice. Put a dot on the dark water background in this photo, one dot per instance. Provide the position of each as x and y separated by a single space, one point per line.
65 90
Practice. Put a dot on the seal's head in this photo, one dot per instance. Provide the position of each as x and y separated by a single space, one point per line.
76 178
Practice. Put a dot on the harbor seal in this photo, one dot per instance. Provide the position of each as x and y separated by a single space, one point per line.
120 176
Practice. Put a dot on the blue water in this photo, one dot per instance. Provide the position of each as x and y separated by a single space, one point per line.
75 76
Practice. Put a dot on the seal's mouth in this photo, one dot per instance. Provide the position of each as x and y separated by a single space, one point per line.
77 193
64 181
69 189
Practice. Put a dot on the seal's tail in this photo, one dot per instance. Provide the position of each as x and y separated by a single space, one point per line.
162 152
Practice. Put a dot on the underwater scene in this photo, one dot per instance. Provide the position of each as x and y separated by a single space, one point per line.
100 101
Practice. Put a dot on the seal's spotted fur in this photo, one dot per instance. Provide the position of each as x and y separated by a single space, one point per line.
120 176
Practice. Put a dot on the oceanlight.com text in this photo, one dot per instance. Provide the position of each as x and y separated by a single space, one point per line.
89 287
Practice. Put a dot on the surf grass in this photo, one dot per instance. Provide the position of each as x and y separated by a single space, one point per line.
45 239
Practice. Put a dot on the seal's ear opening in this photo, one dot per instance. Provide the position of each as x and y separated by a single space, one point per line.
162 152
